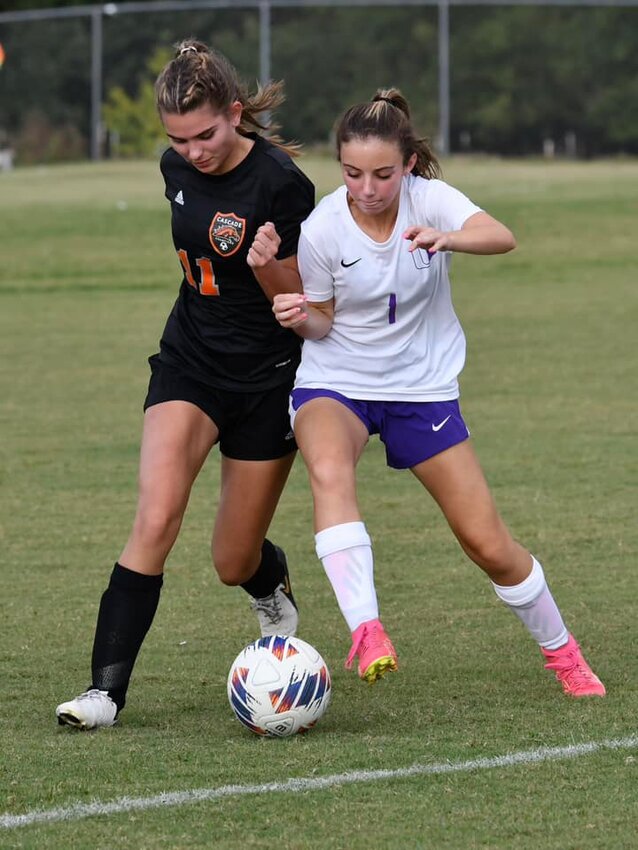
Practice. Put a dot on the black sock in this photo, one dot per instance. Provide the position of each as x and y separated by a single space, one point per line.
126 612
268 575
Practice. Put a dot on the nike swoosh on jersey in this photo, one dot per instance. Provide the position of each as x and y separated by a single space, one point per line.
441 424
347 265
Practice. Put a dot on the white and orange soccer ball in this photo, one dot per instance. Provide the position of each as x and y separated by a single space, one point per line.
278 686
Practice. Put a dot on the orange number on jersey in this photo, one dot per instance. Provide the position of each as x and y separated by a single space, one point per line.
207 285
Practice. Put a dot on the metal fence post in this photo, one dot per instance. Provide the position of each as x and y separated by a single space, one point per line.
96 83
444 77
264 42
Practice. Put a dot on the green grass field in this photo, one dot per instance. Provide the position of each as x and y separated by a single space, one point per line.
87 277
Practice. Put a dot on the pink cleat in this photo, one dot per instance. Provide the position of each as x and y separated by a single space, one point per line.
572 671
375 651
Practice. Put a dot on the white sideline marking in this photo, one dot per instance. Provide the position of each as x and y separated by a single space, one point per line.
76 811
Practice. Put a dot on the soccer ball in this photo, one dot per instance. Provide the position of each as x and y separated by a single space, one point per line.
278 686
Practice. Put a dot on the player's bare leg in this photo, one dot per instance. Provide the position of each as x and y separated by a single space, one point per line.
176 441
331 439
250 492
456 481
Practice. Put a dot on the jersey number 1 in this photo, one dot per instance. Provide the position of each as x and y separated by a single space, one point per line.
207 285
392 308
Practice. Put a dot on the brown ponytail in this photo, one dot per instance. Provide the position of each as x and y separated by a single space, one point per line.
387 117
199 76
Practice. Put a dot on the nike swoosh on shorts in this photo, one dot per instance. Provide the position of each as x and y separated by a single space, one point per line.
441 424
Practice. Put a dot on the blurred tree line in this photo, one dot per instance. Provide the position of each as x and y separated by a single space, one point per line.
524 79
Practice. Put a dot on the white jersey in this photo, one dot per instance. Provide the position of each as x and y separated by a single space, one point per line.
395 335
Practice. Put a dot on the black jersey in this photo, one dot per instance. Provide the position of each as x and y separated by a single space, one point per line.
222 329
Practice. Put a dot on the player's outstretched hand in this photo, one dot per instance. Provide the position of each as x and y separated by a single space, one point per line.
264 247
289 309
427 237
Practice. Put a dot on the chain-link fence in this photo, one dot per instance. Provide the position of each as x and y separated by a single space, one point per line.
511 78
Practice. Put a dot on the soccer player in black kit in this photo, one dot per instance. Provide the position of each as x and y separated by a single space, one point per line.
224 369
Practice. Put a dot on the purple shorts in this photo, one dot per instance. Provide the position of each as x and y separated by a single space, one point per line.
411 431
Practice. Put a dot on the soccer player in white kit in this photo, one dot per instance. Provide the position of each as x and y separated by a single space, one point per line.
382 353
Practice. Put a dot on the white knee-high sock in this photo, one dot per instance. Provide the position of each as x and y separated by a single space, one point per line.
533 603
346 554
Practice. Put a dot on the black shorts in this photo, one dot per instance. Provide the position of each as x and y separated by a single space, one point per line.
252 425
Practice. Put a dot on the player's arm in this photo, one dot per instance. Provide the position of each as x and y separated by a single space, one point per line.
307 320
479 234
273 275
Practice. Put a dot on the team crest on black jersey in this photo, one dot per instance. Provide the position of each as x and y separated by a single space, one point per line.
227 233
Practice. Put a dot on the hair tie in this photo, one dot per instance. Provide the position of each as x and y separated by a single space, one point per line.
187 49
386 99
